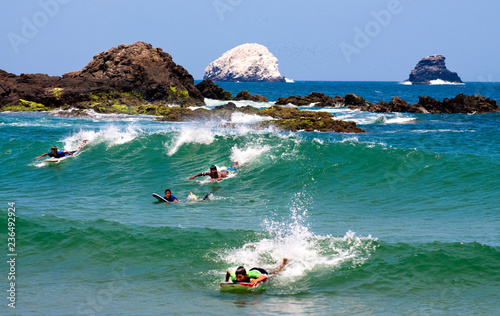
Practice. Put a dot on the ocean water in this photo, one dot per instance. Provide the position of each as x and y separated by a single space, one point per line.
403 219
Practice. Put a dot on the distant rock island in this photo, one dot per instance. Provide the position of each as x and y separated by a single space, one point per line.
432 70
245 63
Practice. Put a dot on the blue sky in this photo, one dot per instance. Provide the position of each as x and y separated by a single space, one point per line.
327 40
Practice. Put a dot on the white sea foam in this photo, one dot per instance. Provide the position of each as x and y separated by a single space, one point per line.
38 164
248 153
396 118
400 120
435 82
189 135
210 103
91 114
111 135
242 118
320 141
444 82
443 131
350 139
367 118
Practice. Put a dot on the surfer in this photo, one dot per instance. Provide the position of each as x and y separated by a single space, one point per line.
169 197
254 275
57 154
218 175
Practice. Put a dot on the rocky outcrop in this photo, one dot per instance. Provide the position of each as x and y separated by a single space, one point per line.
432 68
286 119
127 75
351 99
245 95
316 98
292 119
212 91
395 105
244 63
466 104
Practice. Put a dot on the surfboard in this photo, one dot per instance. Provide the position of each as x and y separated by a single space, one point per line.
193 198
56 160
238 285
160 198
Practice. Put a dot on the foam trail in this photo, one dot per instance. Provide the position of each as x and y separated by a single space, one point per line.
38 164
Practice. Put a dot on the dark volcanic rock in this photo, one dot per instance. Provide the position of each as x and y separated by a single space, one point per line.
140 67
227 107
212 91
432 68
319 99
292 119
395 105
466 104
121 77
351 99
245 95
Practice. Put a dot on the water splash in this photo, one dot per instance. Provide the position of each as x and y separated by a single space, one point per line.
191 134
111 135
242 118
307 251
248 153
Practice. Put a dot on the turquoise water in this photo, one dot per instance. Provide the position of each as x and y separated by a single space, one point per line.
401 220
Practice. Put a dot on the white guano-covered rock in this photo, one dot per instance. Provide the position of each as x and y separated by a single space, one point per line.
247 62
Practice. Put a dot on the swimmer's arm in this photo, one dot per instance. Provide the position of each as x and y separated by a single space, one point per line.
42 156
199 174
261 278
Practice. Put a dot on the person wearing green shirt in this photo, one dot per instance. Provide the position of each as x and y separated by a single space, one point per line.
254 275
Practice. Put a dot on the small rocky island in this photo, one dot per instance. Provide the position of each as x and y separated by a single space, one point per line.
432 69
245 63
